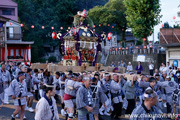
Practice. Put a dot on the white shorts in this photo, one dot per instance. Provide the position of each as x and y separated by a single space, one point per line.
29 94
69 103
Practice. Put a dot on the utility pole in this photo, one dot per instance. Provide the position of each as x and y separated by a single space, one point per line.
153 36
5 40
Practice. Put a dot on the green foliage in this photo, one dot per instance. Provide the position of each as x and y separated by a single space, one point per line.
166 25
86 21
42 60
142 16
113 13
157 42
139 42
88 4
52 59
177 26
48 13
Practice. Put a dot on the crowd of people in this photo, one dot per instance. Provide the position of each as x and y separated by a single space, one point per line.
89 94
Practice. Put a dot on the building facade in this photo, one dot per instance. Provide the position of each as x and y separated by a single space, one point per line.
8 9
12 48
170 40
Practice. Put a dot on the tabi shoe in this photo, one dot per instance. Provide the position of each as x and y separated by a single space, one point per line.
17 116
12 117
105 113
100 112
30 109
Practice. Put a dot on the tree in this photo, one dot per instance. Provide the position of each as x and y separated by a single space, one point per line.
88 4
46 13
142 16
166 25
52 59
113 13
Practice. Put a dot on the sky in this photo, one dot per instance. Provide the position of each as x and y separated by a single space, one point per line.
169 8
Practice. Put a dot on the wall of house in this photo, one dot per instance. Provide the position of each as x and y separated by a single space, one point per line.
173 53
169 35
13 31
9 4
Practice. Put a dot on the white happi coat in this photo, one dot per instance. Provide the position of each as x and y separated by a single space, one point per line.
43 110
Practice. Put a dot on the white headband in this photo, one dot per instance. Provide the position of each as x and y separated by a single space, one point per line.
49 85
154 94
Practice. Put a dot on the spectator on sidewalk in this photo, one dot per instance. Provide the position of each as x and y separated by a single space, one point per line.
123 64
129 68
139 68
112 64
151 68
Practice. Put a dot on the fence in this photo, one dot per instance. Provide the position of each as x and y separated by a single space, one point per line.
126 51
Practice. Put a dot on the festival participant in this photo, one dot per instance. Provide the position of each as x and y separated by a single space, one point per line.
156 73
18 69
36 83
18 92
116 96
145 110
151 83
79 78
61 92
105 85
84 100
56 82
169 87
139 68
71 86
130 89
47 77
11 68
140 90
98 97
1 92
30 89
59 89
24 68
97 76
41 78
115 70
6 78
46 108
163 92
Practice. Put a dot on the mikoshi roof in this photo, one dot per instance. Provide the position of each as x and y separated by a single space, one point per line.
85 33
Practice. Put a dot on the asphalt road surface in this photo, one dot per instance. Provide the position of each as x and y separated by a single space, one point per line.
7 110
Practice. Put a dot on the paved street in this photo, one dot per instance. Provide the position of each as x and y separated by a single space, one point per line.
7 110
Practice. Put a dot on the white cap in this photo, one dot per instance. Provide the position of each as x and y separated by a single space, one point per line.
129 62
168 77
107 74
